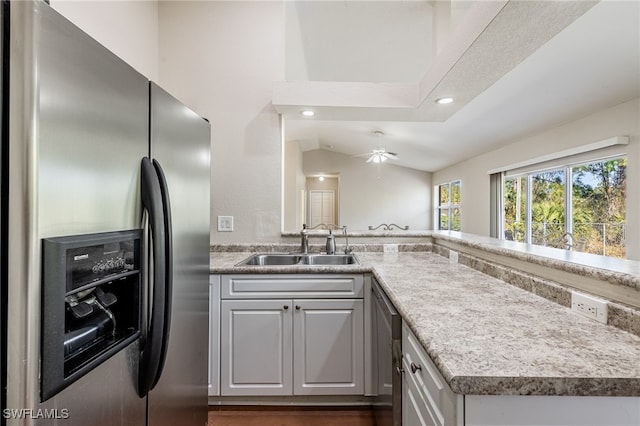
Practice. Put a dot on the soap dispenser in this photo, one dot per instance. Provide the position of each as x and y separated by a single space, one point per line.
331 243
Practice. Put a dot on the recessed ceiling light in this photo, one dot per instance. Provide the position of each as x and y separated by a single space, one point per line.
307 113
321 178
444 101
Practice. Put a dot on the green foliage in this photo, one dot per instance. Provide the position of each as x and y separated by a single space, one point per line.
598 194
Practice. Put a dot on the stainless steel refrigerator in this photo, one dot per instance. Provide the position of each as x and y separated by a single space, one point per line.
104 256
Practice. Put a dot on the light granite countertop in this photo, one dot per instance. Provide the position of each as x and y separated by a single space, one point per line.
488 337
617 271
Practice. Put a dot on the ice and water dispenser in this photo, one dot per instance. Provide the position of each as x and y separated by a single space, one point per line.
91 303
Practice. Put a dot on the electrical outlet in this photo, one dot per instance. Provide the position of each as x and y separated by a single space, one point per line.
390 248
225 223
589 306
453 256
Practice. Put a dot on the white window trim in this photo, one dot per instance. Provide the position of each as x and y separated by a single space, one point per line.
567 168
449 206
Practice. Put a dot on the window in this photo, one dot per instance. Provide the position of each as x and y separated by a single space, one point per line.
448 211
578 207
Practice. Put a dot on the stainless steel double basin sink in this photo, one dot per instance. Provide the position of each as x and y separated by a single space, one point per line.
291 259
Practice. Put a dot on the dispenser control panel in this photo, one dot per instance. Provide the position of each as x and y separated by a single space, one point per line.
91 303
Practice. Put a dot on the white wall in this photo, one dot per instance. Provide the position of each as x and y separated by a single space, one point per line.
620 120
371 195
127 28
221 58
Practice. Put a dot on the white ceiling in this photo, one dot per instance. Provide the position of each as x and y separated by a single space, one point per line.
515 77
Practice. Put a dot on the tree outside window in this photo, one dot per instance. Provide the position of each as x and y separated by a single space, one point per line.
599 206
548 208
536 207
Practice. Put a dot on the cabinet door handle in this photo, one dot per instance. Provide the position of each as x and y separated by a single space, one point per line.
286 307
297 307
415 367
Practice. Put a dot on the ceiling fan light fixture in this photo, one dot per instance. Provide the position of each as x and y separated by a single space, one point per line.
377 158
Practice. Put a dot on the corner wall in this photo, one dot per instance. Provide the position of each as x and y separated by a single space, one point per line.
212 59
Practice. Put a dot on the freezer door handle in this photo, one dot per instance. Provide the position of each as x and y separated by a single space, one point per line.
155 201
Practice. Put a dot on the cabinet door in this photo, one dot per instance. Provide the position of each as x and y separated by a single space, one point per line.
414 409
328 349
256 347
214 335
426 391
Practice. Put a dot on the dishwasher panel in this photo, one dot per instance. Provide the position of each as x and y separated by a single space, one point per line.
387 354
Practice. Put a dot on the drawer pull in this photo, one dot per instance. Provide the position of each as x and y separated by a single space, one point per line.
415 367
286 307
297 307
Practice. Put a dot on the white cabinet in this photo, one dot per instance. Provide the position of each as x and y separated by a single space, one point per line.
414 408
214 335
428 400
328 347
509 410
291 335
426 397
255 355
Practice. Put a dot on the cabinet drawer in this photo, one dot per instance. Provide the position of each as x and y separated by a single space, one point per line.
268 286
440 400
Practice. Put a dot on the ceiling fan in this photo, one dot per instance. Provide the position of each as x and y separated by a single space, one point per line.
378 155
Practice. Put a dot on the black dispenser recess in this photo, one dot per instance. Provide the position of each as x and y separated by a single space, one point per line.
91 303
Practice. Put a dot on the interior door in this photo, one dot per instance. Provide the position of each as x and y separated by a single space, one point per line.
322 207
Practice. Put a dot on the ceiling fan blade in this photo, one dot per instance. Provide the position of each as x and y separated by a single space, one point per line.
378 155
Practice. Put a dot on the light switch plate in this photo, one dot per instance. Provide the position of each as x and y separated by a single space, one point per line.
225 223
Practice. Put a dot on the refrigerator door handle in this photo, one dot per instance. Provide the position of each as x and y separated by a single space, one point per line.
150 357
168 268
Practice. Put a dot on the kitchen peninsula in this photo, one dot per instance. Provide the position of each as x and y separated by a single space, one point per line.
487 336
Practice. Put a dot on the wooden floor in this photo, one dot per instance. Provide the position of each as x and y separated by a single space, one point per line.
290 416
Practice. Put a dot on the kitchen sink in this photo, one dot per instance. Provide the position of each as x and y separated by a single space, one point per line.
330 259
272 259
283 259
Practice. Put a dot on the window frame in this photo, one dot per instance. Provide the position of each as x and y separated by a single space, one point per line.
567 168
449 206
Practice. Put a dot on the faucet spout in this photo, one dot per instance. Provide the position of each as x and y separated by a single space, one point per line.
331 244
304 240
347 249
572 243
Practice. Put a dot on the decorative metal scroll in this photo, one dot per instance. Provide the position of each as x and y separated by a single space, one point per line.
388 227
